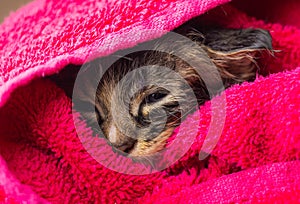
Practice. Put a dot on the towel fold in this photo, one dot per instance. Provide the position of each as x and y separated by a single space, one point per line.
42 159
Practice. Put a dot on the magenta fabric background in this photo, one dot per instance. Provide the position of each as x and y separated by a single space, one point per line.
43 160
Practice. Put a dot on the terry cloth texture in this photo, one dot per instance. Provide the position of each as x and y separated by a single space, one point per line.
42 158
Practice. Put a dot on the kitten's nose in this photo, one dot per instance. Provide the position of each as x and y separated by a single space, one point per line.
125 146
120 141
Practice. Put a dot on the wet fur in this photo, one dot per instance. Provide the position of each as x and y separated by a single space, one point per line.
235 53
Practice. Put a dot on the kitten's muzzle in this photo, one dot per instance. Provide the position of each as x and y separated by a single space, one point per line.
120 141
125 146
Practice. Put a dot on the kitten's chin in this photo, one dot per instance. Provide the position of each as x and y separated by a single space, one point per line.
149 148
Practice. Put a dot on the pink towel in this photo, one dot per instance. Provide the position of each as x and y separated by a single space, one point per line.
43 160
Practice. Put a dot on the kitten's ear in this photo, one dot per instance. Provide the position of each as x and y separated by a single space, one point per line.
236 51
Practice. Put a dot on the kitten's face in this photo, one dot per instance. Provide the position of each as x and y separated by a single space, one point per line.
138 108
139 130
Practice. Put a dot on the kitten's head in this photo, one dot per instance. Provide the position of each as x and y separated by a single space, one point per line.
139 107
143 96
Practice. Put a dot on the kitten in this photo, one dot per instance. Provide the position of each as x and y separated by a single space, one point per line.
153 111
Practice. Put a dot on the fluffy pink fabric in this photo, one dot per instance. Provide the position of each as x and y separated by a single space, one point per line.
255 160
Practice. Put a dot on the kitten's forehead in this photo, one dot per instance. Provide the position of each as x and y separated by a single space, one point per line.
131 76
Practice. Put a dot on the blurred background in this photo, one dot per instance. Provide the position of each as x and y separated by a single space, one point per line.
6 6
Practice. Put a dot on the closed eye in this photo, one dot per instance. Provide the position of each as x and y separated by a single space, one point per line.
155 97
